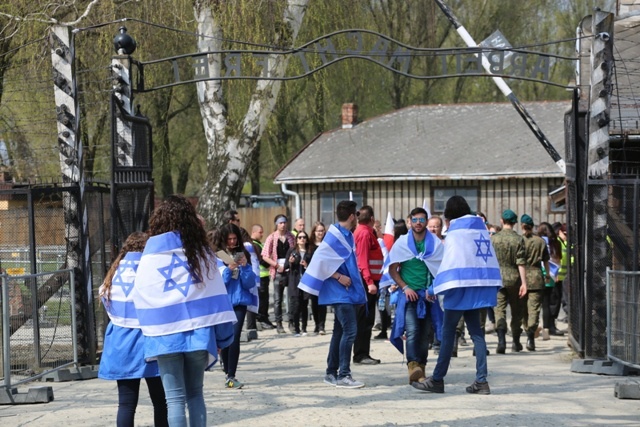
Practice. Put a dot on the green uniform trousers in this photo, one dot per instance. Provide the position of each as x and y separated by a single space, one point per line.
508 295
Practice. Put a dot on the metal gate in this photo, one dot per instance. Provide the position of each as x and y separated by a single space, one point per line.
131 176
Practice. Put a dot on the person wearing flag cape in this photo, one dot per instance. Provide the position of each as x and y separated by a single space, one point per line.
468 280
334 277
183 307
239 278
123 350
413 257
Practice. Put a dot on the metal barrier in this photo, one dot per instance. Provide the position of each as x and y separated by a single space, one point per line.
46 338
623 317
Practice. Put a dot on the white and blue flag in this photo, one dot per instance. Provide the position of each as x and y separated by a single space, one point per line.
120 306
253 306
469 258
255 266
169 298
333 251
405 249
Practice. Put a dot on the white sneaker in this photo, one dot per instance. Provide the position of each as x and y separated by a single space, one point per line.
348 382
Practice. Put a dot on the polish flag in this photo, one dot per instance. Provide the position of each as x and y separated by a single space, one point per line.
388 232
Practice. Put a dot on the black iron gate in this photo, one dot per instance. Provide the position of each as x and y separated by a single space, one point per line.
131 182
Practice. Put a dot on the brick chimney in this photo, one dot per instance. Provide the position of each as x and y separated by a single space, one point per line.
349 115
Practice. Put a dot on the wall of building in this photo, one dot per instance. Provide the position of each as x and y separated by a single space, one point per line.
399 197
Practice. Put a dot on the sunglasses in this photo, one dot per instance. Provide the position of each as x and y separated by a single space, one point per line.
418 220
302 237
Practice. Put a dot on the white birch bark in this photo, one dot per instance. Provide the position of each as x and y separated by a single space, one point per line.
229 151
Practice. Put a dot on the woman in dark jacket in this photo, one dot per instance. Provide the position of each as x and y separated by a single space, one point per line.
296 262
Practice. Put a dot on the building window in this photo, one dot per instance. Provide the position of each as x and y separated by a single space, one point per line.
329 200
441 195
557 199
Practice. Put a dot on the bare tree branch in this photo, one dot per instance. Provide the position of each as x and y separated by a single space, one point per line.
51 20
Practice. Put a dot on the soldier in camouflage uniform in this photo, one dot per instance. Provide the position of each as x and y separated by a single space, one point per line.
536 255
509 248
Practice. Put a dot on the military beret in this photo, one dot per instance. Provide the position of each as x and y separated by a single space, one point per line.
509 216
526 219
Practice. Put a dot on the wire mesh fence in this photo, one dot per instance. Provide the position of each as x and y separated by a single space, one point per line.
623 304
38 325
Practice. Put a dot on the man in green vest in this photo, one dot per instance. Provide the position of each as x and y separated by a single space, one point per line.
561 286
257 232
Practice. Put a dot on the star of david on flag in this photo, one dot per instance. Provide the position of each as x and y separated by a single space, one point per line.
125 275
481 244
178 269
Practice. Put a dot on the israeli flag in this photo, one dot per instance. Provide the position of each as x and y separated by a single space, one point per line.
120 306
404 249
553 269
253 307
255 261
169 298
330 255
469 258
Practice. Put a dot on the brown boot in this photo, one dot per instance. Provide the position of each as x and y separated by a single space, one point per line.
415 372
423 377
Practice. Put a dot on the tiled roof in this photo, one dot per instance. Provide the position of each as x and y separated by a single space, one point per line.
426 142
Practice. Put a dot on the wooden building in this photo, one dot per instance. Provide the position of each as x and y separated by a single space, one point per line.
427 153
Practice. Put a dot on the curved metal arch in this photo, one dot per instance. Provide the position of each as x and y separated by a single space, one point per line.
335 61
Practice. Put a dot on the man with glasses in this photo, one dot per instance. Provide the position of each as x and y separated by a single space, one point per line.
298 226
467 281
334 277
369 256
413 257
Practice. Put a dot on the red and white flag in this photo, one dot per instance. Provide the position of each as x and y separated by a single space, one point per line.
425 206
388 232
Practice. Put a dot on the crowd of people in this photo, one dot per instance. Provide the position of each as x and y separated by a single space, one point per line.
178 296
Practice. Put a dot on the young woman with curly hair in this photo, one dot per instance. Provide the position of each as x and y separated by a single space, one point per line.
122 355
183 307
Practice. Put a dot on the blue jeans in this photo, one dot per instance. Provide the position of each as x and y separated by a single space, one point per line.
417 332
231 355
344 334
182 377
450 321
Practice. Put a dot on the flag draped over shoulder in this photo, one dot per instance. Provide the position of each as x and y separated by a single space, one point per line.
253 307
120 306
331 254
169 298
469 258
255 261
404 249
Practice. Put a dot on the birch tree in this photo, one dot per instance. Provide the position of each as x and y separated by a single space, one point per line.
230 146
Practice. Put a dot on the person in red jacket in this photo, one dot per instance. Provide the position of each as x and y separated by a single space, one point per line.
370 259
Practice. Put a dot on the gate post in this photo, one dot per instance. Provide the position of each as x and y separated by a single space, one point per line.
123 93
597 171
71 165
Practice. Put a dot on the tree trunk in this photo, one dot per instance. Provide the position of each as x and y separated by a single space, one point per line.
230 150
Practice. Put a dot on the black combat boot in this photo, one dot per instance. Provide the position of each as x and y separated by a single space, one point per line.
531 341
516 347
502 343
